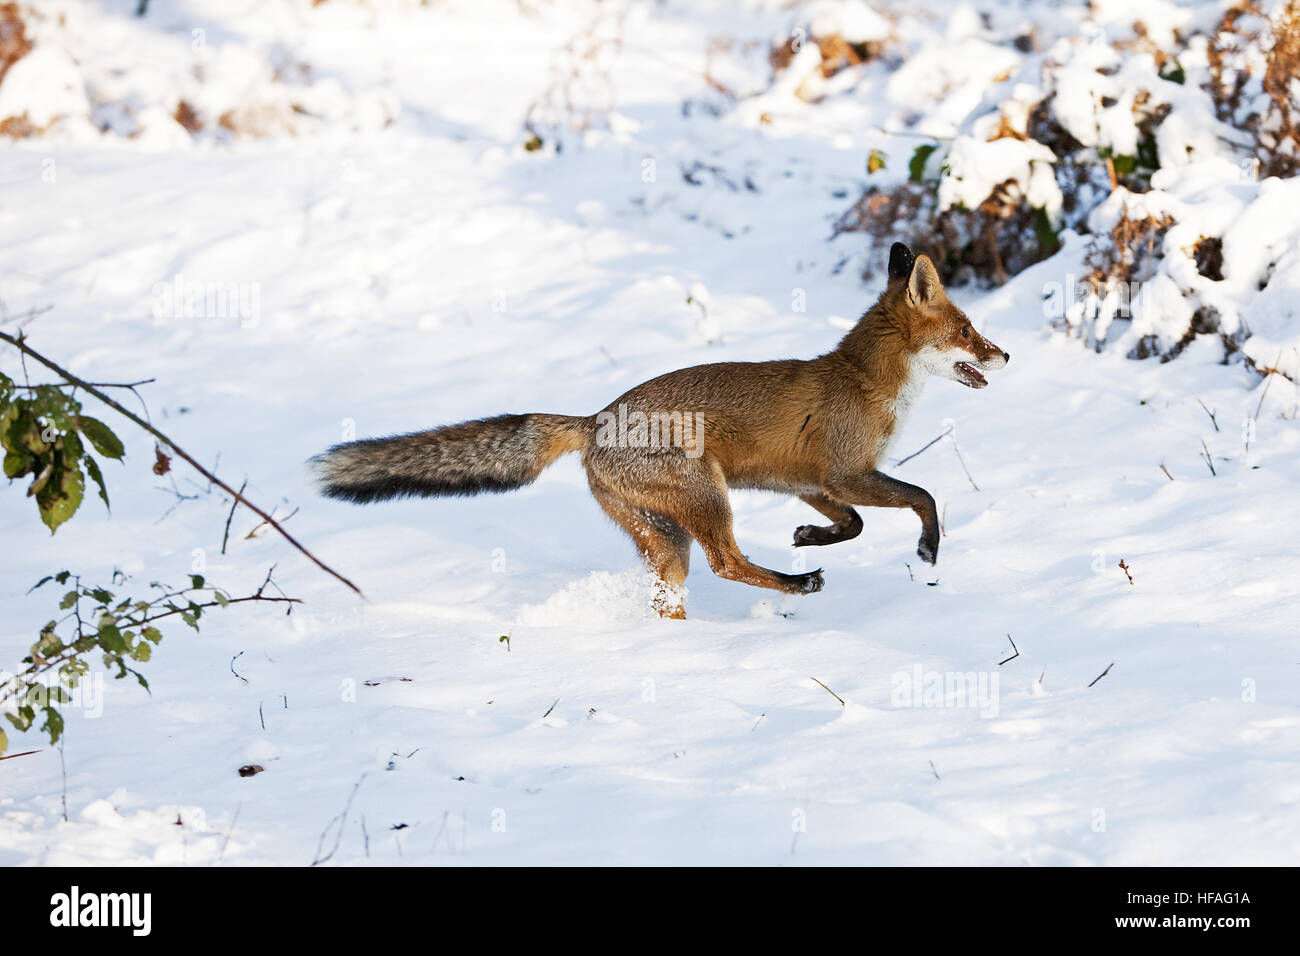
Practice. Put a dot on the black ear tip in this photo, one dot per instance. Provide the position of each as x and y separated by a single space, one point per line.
900 261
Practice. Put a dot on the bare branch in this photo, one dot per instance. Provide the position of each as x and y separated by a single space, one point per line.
22 346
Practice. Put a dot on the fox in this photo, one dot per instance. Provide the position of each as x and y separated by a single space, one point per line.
661 458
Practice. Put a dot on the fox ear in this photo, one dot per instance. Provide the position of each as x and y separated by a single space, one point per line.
924 286
900 261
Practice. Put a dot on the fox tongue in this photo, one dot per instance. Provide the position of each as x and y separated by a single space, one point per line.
972 372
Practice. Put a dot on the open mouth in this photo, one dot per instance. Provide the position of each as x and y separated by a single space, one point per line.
969 375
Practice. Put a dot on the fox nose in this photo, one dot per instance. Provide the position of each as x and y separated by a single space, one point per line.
1006 356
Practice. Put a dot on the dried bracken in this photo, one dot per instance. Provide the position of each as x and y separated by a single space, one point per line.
988 244
1225 54
187 117
837 53
1246 44
14 44
1279 136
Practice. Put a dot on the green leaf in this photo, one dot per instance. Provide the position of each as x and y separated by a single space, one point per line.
221 598
916 166
71 446
69 599
53 724
4 742
9 439
23 718
19 463
49 644
110 639
1148 153
59 499
196 580
102 596
141 651
92 468
875 161
151 634
1048 241
101 436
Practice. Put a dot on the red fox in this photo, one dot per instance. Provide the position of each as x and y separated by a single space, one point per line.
661 457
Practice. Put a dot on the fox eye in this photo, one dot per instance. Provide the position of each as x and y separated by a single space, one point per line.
965 333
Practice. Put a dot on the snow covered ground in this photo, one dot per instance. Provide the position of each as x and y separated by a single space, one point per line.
409 263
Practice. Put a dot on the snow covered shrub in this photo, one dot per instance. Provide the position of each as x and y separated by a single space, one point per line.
1120 260
580 96
828 39
14 44
1254 65
989 211
57 83
38 86
1205 252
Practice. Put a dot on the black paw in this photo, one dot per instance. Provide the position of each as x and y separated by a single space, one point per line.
808 534
809 583
927 549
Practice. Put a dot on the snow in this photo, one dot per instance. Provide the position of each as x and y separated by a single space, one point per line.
409 264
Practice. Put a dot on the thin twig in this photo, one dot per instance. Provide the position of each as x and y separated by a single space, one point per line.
234 503
1013 656
128 385
342 820
253 534
1213 421
963 465
23 347
25 753
1101 675
63 772
1125 568
1267 385
831 692
924 447
226 841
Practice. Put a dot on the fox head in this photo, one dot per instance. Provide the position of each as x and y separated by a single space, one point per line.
939 337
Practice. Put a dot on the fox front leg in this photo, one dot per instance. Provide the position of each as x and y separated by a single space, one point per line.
877 490
847 523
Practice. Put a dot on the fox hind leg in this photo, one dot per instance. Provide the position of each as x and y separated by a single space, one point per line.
663 543
705 513
847 522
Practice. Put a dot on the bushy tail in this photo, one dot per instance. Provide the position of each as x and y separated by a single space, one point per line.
490 454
